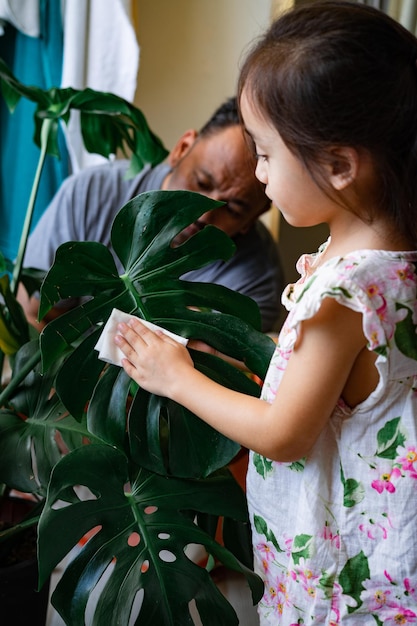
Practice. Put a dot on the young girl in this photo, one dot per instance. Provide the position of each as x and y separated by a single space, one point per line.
329 99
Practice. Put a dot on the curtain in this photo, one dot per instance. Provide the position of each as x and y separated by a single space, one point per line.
68 43
404 11
31 45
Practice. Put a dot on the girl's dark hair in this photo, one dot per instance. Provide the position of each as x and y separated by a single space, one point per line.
338 73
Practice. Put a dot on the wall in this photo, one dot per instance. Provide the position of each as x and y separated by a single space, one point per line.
190 54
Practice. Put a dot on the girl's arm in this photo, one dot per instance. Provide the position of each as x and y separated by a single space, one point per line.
317 372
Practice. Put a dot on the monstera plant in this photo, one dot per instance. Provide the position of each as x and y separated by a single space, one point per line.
127 480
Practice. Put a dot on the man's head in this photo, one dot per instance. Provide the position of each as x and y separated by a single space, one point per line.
218 163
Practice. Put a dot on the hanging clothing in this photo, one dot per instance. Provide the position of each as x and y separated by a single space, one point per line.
105 58
34 61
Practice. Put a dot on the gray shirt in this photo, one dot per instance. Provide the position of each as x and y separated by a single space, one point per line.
86 204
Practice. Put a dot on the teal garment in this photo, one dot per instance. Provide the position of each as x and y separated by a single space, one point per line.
34 61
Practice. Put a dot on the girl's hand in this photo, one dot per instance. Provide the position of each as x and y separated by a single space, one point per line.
156 362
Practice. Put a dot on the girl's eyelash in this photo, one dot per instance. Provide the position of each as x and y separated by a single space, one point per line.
261 156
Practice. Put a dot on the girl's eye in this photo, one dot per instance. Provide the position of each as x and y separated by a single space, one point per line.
261 157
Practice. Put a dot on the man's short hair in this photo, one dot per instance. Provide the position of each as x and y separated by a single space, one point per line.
226 115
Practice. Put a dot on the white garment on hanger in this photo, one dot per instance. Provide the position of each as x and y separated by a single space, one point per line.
100 52
23 14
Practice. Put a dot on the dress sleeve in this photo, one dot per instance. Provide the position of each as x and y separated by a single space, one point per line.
360 287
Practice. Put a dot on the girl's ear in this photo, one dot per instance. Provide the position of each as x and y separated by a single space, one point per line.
343 165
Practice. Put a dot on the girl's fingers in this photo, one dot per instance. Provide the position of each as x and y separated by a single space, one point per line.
135 332
149 335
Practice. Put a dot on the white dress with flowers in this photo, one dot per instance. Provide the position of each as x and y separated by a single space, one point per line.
335 533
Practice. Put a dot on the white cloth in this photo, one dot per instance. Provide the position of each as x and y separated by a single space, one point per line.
23 14
100 52
109 351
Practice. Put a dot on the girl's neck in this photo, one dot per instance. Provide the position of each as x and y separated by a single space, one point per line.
358 235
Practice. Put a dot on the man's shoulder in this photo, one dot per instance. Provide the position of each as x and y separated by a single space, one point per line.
110 170
113 177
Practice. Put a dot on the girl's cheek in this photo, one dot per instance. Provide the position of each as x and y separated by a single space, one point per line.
260 172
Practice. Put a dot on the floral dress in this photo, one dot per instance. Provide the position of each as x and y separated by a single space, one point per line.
335 533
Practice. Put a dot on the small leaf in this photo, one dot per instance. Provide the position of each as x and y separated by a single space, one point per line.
353 492
262 464
262 528
389 438
352 576
301 548
406 335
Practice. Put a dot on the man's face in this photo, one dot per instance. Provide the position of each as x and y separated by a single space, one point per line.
221 167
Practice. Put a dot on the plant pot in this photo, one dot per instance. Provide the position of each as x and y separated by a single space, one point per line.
20 602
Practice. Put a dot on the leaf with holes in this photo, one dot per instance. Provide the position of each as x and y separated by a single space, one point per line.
138 543
152 289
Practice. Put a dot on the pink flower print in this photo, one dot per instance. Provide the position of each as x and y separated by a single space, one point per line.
388 577
376 527
267 555
408 459
386 477
388 319
308 581
328 535
398 616
374 292
335 604
276 593
374 333
375 596
288 546
402 273
409 590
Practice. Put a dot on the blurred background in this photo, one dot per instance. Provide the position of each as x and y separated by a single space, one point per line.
177 60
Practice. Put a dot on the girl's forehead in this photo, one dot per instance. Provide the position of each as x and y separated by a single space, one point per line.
248 110
255 124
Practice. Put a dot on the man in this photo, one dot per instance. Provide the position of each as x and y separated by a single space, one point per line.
215 162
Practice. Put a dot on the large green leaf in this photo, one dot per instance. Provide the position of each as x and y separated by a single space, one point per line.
139 545
29 425
169 439
151 288
108 123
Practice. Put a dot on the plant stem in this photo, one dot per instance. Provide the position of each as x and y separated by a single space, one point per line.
46 128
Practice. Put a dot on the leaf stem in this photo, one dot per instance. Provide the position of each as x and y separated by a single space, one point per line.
45 131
